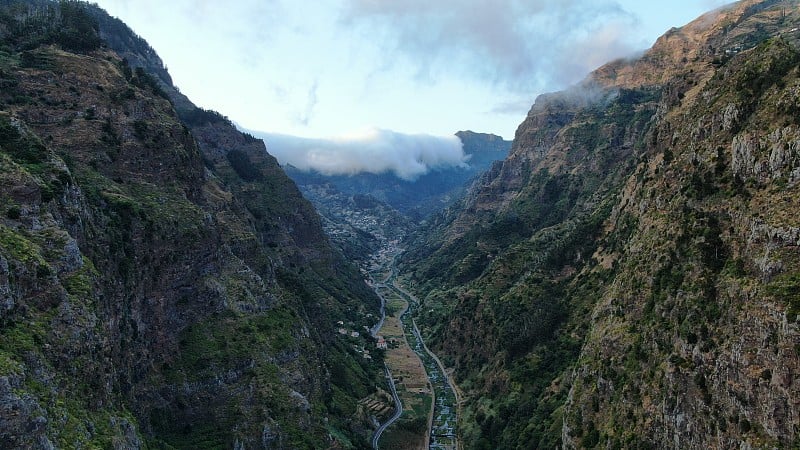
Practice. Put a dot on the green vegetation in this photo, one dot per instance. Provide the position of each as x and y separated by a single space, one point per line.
776 59
144 80
80 284
786 289
198 117
228 341
516 297
18 247
527 316
23 148
243 166
66 23
182 319
511 311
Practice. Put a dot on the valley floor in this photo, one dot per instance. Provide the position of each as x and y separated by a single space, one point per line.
429 401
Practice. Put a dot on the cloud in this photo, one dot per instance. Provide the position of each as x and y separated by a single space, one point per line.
522 45
374 151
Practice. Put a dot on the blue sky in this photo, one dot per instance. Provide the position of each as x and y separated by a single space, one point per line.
348 67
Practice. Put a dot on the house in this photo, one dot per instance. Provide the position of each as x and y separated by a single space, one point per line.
381 343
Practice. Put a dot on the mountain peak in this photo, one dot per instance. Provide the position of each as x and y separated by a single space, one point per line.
709 39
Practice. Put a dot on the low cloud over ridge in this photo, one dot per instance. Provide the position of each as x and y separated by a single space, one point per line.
374 151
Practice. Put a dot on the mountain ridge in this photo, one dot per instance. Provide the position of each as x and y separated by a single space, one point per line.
603 286
163 283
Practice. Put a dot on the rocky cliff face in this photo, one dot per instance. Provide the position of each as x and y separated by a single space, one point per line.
627 278
162 282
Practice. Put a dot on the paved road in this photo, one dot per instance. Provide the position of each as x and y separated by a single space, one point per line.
397 412
439 363
374 330
390 282
427 350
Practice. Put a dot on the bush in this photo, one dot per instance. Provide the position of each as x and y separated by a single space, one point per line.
243 166
79 31
140 129
786 288
23 149
13 212
67 24
144 80
198 117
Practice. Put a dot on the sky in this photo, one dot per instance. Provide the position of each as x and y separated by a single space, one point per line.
377 72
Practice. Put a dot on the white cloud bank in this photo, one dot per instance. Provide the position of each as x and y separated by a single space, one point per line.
374 151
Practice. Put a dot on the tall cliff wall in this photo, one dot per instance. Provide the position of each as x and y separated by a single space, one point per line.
627 278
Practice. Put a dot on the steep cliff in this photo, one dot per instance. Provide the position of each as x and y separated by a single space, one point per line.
162 282
627 278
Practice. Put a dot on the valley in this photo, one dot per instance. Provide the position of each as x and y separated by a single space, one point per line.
600 274
372 230
625 274
418 379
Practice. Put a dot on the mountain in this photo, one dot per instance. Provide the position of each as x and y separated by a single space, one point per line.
628 277
163 284
423 196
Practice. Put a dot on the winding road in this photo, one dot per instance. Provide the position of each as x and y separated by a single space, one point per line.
397 412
